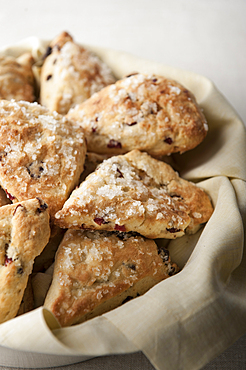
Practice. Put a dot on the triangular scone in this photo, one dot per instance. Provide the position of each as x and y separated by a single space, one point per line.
24 232
16 78
70 74
41 153
135 192
97 271
150 113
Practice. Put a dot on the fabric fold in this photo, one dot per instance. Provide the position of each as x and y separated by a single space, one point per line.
195 314
183 322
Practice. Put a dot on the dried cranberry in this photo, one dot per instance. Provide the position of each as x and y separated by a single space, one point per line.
120 227
100 221
173 230
114 144
168 140
10 196
19 205
7 261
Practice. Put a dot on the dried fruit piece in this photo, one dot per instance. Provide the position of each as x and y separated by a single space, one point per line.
147 196
42 153
70 74
95 272
145 112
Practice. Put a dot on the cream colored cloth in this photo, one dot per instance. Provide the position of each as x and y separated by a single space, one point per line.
188 319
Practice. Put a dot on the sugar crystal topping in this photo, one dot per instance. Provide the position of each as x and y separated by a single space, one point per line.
118 184
79 63
98 261
38 145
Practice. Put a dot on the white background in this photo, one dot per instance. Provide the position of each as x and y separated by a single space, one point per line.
204 36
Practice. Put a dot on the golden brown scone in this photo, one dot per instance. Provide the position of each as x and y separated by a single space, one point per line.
70 74
97 271
24 232
16 78
145 112
135 192
41 153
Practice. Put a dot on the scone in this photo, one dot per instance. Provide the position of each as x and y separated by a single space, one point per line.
97 271
41 153
145 112
16 78
135 192
70 74
24 232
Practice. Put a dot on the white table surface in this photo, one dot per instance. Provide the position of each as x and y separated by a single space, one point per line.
206 36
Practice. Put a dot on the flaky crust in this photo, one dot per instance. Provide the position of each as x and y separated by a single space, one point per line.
149 113
135 192
70 74
24 232
41 154
16 78
97 271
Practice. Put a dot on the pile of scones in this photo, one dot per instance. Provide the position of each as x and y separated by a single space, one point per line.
87 185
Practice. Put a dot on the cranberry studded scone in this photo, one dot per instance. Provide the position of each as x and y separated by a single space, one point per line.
16 78
135 192
145 112
70 74
41 153
24 232
97 271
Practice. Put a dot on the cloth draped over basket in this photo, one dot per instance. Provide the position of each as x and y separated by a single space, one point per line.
187 320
